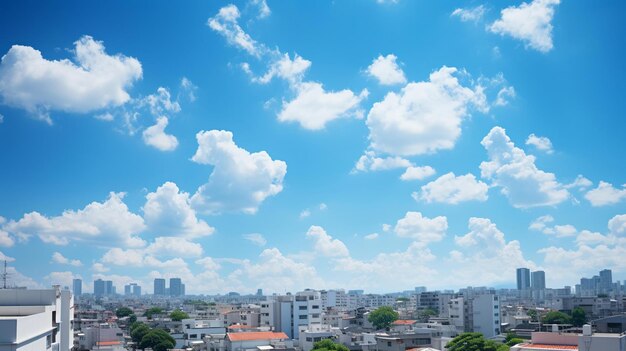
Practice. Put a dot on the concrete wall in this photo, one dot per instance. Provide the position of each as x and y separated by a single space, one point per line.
22 297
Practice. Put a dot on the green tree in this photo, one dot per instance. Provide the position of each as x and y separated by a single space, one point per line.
329 345
514 341
123 312
579 317
157 337
556 317
152 311
474 342
132 318
178 315
382 317
138 331
533 315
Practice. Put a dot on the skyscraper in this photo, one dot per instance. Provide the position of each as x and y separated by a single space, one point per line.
176 288
159 286
77 287
606 280
99 288
523 279
538 280
109 289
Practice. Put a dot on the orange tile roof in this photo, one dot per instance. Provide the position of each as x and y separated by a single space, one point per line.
108 343
404 322
256 336
550 347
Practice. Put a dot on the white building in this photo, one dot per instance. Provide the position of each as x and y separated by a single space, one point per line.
36 320
587 341
290 313
486 315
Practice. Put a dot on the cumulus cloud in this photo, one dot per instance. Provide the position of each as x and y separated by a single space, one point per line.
6 240
451 189
240 180
473 14
371 236
171 246
4 257
541 143
421 229
156 137
305 213
580 183
424 117
370 162
94 81
57 257
529 22
256 239
516 173
605 194
105 223
505 93
313 107
324 244
225 23
282 67
483 254
417 173
264 9
543 224
168 211
386 70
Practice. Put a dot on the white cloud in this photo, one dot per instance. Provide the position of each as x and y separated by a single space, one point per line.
565 230
529 22
99 268
64 279
4 257
173 246
516 173
474 14
5 239
305 213
256 239
168 211
483 255
107 117
209 264
283 67
313 107
424 117
451 189
605 194
505 93
225 23
96 81
580 183
325 244
370 162
386 227
417 173
155 136
422 229
1 119
188 88
105 223
57 257
386 70
541 143
541 223
372 236
161 102
240 180
617 224
323 207
264 9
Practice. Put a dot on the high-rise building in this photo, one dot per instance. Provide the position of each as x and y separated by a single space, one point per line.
523 279
176 288
538 281
606 280
132 289
290 313
259 292
109 289
99 288
159 286
77 287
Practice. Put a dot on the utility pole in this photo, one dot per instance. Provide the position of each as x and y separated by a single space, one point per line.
5 276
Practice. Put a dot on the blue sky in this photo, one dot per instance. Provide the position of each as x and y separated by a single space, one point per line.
283 145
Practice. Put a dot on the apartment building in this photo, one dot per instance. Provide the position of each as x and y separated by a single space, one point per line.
290 313
36 320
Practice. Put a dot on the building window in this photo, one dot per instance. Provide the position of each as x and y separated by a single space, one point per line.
304 316
389 343
309 339
302 308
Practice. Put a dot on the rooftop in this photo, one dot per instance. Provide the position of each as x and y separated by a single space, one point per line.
548 347
256 336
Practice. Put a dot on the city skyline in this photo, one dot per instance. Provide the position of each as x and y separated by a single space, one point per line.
376 145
